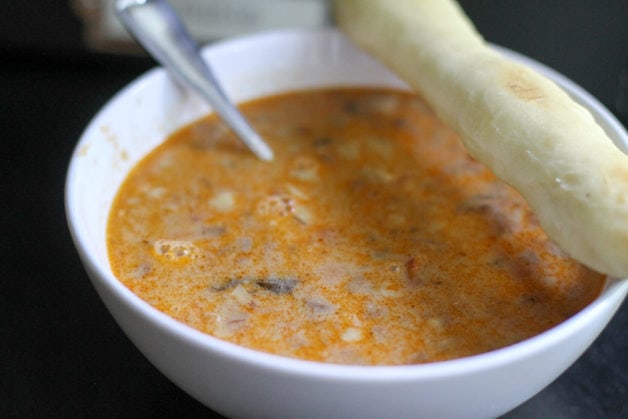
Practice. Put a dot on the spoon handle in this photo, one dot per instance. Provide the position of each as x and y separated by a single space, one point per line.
159 30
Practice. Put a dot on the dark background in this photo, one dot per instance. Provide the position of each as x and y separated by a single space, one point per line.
61 354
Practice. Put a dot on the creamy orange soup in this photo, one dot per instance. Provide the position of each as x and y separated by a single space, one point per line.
372 238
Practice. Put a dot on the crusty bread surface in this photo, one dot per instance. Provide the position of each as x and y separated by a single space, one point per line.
520 124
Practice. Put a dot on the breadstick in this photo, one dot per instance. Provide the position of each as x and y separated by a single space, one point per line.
524 127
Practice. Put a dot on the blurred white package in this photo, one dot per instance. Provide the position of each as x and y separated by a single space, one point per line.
207 20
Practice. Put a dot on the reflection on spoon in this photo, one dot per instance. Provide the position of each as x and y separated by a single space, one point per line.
159 30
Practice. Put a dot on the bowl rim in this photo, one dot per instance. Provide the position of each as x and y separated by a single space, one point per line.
613 293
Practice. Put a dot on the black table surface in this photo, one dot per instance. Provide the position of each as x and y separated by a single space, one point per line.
62 355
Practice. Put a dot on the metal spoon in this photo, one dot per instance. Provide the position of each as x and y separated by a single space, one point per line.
159 30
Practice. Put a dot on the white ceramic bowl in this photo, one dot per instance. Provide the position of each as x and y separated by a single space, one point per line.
239 382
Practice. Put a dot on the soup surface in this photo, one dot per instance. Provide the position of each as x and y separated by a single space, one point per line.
372 238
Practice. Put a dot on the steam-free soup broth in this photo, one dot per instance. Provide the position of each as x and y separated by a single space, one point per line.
372 238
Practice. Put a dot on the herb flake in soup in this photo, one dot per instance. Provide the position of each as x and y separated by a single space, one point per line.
372 238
